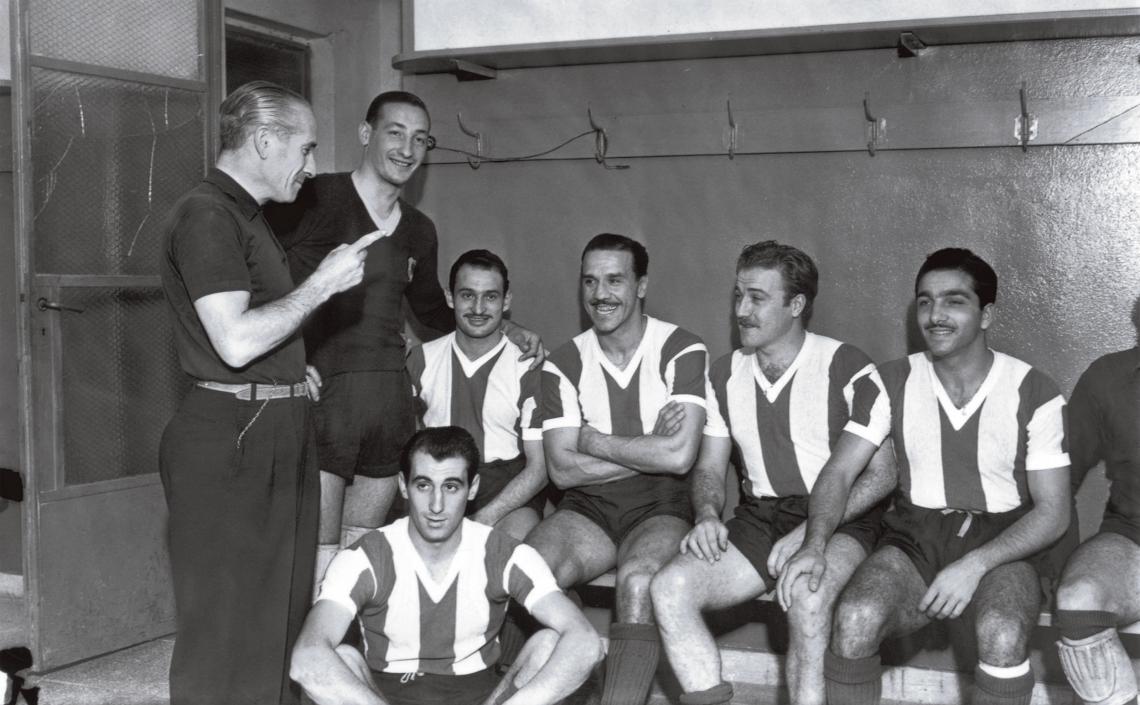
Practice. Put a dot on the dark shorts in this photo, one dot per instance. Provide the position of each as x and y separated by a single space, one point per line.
934 538
757 524
363 420
618 507
496 475
434 689
1117 523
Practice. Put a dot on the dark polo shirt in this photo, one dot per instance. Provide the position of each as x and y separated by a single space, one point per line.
1104 424
217 240
361 329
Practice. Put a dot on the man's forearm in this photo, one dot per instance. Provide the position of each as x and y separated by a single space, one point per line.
569 468
874 484
1034 531
568 667
649 453
707 489
826 509
327 680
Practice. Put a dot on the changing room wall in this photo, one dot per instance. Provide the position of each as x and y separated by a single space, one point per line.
1059 223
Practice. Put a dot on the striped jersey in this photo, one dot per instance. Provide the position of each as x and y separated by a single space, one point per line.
495 397
413 624
974 458
784 431
581 386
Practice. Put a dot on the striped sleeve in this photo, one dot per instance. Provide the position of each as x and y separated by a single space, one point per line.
350 580
1047 446
716 404
560 374
527 578
530 409
684 361
868 407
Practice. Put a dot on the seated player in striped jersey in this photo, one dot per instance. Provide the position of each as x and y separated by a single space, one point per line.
474 378
778 406
622 416
1100 586
430 591
979 438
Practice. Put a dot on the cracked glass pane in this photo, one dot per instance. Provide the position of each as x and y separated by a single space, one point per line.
117 398
109 159
150 36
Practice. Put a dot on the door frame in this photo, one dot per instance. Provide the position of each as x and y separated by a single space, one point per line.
39 357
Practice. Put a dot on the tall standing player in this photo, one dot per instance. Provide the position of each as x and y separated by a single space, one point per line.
355 341
235 465
430 591
780 406
473 378
1100 586
624 403
983 492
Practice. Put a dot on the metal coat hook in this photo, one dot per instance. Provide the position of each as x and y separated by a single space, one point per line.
731 131
601 143
876 127
472 162
1025 126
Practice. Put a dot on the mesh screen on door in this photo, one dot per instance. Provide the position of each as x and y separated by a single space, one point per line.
109 159
121 382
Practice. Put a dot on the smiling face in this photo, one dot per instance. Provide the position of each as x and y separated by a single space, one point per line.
478 300
950 315
611 291
437 492
290 157
762 315
395 148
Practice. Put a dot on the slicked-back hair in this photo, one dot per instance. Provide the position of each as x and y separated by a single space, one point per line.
980 272
621 243
795 266
376 107
256 104
441 443
481 259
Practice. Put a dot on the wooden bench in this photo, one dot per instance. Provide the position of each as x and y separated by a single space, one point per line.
1045 619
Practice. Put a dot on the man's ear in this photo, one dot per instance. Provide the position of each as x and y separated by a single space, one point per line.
474 489
799 301
987 316
642 286
507 302
403 485
261 140
450 298
364 133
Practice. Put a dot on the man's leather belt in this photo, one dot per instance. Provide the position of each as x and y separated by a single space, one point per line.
258 392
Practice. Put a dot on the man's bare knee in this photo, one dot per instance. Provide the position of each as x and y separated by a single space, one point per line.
1082 592
1003 639
857 626
672 592
810 612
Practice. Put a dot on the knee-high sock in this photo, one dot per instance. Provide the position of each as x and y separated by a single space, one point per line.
350 534
1003 686
325 553
630 663
1081 624
853 681
719 694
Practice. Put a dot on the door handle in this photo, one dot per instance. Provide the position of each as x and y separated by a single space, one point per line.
43 305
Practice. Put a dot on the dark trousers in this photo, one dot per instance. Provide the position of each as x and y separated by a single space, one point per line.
243 535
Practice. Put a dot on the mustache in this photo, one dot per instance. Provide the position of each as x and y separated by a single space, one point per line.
604 302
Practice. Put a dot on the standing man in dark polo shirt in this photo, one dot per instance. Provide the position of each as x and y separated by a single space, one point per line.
365 414
241 490
1100 587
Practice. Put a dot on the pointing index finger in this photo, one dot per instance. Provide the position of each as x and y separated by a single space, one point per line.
366 240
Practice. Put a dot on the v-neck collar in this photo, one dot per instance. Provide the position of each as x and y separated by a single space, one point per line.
386 226
772 389
470 367
619 375
959 417
435 590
